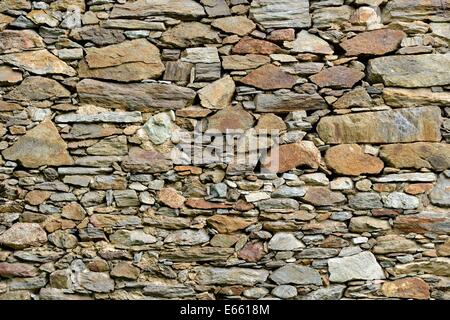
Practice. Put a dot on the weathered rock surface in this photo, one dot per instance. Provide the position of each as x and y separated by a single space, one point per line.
38 88
337 77
269 77
362 266
281 13
22 235
377 42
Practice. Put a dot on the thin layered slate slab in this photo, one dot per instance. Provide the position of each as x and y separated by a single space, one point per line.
288 102
393 126
281 13
412 10
144 8
135 96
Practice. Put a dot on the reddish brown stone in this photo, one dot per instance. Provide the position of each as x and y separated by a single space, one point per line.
269 77
191 169
252 252
377 42
171 198
36 197
242 205
408 288
282 35
418 188
255 46
385 212
337 77
350 159
384 187
229 224
322 196
198 203
289 156
9 270
426 221
230 118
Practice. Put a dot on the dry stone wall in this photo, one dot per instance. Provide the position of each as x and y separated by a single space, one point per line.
117 176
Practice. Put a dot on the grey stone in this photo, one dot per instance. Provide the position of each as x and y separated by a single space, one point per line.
296 274
400 200
96 281
288 101
278 204
158 127
187 237
114 117
440 194
284 291
317 253
407 177
362 266
284 241
126 198
333 292
230 276
289 192
281 13
366 200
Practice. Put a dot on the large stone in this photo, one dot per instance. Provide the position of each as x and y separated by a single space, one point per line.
128 61
229 224
350 159
281 13
394 244
417 155
402 125
337 77
405 98
368 224
289 101
237 24
400 200
366 200
307 42
15 5
23 235
171 198
332 16
289 156
201 55
22 270
377 42
95 131
131 238
140 160
159 127
230 276
229 119
440 195
190 34
436 266
19 40
110 146
441 30
38 88
96 281
136 96
408 288
269 77
322 196
217 95
97 35
411 71
248 45
239 62
40 146
187 237
126 198
284 241
143 8
361 266
296 274
424 222
357 98
9 76
39 62
412 10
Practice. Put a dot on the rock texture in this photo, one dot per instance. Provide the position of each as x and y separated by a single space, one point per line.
224 149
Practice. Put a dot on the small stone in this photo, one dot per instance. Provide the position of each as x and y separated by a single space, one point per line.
125 270
200 55
190 34
357 98
239 62
296 274
8 76
307 42
36 197
171 198
281 13
111 146
337 77
399 200
440 195
322 196
217 95
229 119
269 77
362 266
73 211
255 46
283 241
289 101
63 240
21 270
230 276
126 198
237 24
284 291
394 244
159 127
228 224
252 252
187 237
96 281
368 224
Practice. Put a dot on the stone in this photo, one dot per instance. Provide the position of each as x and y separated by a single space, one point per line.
132 238
357 98
408 288
135 96
408 98
217 95
423 222
289 192
417 155
187 237
289 101
36 197
281 13
41 145
441 30
200 55
198 203
139 160
366 200
252 252
296 274
113 221
436 266
443 250
128 61
190 34
73 211
289 156
361 266
284 291
410 71
124 270
248 45
407 177
190 254
368 224
402 125
178 71
132 24
168 291
270 122
110 146
229 119
230 276
126 198
333 292
21 270
159 127
171 198
15 5
228 224
95 131
109 183
283 241
237 24
411 10
23 235
377 42
38 88
337 77
97 35
350 159
96 281
322 196
440 194
142 8
19 40
269 77
248 61
306 42
63 239
400 200
9 76
394 244
39 62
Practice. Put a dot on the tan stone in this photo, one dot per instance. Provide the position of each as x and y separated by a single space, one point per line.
171 198
244 62
190 34
408 288
230 118
23 235
394 244
239 25
357 98
418 188
289 156
8 76
217 95
337 77
406 98
377 42
19 40
143 8
14 5
73 211
198 203
255 46
443 250
424 222
269 77
38 88
322 196
41 145
269 122
228 224
350 159
36 197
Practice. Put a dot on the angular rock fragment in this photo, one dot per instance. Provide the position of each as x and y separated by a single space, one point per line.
287 102
440 195
248 45
296 274
307 42
236 24
362 266
407 98
217 95
19 40
408 288
230 276
269 77
377 42
281 13
337 77
38 88
412 10
142 8
190 34
239 62
23 235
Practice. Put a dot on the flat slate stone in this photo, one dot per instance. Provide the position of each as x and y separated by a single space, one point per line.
38 88
361 266
413 10
143 8
377 42
119 117
281 13
19 40
289 101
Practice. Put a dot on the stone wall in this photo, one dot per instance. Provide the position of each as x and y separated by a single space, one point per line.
348 197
